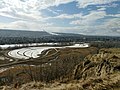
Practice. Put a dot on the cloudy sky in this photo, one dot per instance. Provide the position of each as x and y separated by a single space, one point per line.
89 17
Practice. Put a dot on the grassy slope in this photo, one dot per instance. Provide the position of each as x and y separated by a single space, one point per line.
96 72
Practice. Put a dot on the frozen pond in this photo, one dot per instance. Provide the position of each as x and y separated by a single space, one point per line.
33 52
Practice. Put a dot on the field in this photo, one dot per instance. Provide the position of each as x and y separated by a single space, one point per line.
33 52
55 68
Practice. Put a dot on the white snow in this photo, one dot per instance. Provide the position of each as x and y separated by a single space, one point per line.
3 69
14 53
21 45
79 45
11 60
26 53
33 52
53 33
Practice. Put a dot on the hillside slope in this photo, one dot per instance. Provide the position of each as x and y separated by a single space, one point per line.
96 72
22 33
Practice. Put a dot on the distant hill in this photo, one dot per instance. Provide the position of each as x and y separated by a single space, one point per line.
32 34
21 33
8 36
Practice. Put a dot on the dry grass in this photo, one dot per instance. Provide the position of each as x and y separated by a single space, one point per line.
49 68
70 71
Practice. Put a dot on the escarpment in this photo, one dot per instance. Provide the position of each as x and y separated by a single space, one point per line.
104 67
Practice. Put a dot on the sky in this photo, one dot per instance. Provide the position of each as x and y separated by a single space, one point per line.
88 17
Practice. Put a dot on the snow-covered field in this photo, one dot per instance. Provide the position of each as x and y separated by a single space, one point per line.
26 53
79 45
33 52
21 45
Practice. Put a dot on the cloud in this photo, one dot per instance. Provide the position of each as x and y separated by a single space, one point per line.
116 15
113 24
25 25
16 9
66 29
28 15
54 12
66 16
27 9
112 5
85 3
92 24
30 9
90 18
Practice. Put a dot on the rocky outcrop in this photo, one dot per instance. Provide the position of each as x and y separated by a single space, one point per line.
88 69
106 62
99 71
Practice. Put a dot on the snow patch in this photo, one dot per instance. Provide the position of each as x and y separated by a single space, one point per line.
33 52
53 33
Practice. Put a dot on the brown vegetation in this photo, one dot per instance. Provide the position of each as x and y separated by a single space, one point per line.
71 69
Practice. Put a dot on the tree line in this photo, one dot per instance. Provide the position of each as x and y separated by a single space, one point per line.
55 39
